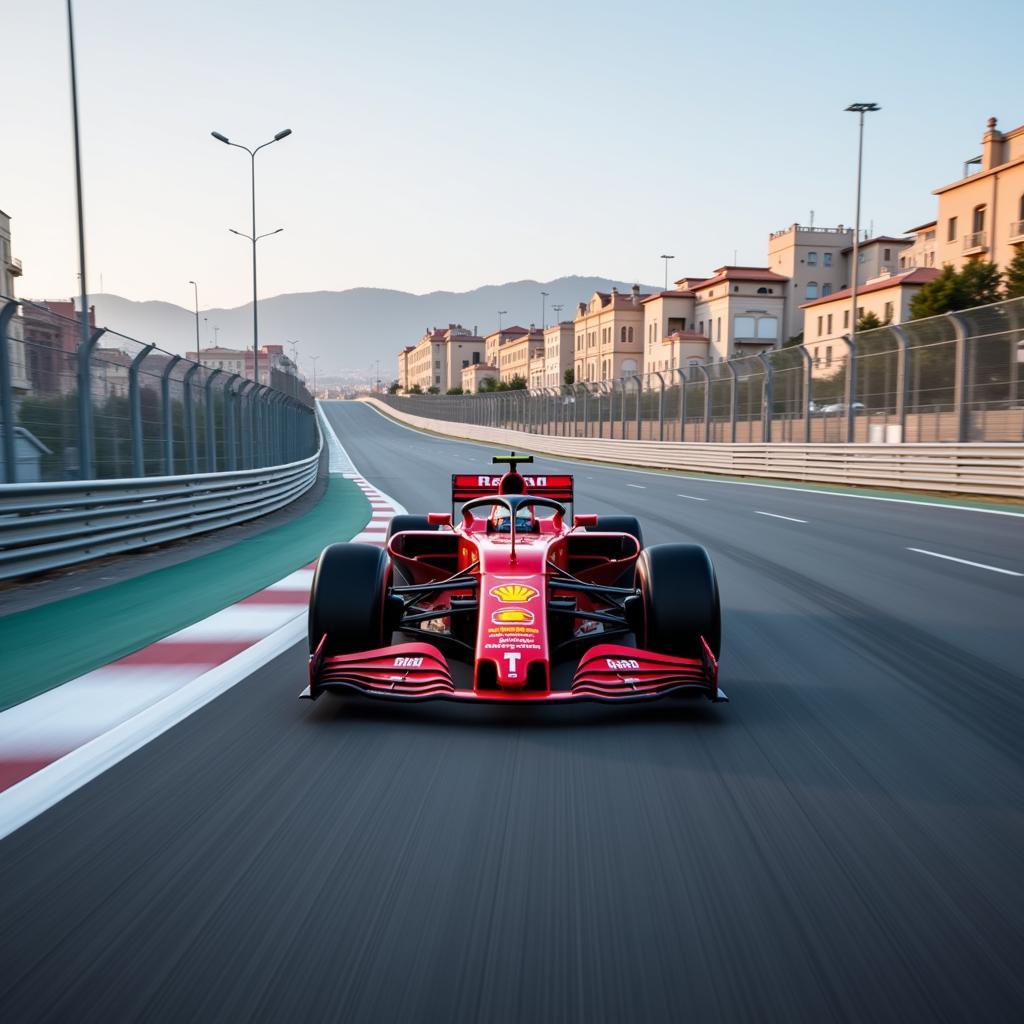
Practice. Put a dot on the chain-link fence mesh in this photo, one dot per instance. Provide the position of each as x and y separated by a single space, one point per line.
951 378
103 405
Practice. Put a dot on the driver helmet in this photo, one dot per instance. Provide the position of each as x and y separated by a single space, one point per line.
501 520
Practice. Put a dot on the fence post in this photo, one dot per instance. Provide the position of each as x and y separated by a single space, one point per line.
211 430
767 397
165 401
586 410
707 401
902 378
960 380
190 420
639 392
682 403
230 426
806 390
850 392
6 397
661 406
135 412
733 395
86 441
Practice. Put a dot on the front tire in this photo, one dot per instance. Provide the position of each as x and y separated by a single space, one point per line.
679 592
348 599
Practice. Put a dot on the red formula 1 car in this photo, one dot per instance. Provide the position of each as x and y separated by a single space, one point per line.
514 602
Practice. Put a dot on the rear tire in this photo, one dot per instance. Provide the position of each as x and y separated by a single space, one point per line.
402 523
679 590
348 600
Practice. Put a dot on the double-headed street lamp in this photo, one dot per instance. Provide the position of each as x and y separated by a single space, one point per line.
543 310
501 313
860 109
666 259
254 238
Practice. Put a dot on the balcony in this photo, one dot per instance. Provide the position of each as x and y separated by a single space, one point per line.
975 243
15 264
1016 231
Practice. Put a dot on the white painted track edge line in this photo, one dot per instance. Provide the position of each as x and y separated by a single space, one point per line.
43 789
966 561
775 515
692 497
677 474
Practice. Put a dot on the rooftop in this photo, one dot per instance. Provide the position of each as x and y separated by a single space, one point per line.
918 276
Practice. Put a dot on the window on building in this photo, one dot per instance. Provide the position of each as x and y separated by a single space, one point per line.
812 259
903 262
437 379
762 290
465 363
826 259
767 327
978 218
861 256
821 321
846 319
702 327
743 327
622 335
629 334
437 364
888 312
812 289
826 289
828 355
735 287
694 362
951 230
817 358
828 323
719 328
886 255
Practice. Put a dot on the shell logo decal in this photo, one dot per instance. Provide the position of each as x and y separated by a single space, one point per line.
512 617
513 593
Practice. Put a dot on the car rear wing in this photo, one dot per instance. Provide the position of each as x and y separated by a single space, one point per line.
466 486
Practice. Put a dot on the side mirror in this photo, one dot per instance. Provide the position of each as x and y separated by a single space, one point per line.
590 520
439 518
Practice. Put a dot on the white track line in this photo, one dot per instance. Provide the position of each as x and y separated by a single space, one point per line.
639 487
965 561
692 497
773 515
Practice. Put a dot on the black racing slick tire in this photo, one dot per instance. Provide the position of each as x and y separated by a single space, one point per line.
348 600
621 524
679 591
402 523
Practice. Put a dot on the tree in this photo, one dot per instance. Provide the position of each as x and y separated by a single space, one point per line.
517 383
455 391
570 375
487 385
433 390
393 388
976 285
797 339
869 322
415 390
1015 276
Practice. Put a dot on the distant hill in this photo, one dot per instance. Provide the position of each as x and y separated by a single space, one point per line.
349 330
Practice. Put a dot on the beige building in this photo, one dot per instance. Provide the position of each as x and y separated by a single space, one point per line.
876 257
921 250
670 338
812 258
403 368
439 357
740 310
10 268
888 297
609 333
981 216
475 374
521 354
494 341
558 344
427 361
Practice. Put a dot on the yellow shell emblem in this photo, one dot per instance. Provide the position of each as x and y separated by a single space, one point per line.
514 616
513 593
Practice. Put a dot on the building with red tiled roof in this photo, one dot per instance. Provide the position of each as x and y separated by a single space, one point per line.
609 331
827 319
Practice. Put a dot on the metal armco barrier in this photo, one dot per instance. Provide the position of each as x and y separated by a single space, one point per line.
52 525
994 470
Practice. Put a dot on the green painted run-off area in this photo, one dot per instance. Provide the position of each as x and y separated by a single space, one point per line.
43 647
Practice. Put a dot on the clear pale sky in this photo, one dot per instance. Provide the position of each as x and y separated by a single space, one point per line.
450 145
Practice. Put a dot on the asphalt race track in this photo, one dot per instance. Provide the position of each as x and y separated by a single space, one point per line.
842 842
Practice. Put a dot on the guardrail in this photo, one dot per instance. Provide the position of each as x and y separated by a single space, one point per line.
54 525
991 470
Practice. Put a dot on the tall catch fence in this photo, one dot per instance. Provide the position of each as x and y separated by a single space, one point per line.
953 378
115 407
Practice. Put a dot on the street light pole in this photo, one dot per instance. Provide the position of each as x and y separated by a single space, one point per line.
859 109
254 238
313 359
501 313
78 186
543 310
195 288
666 258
